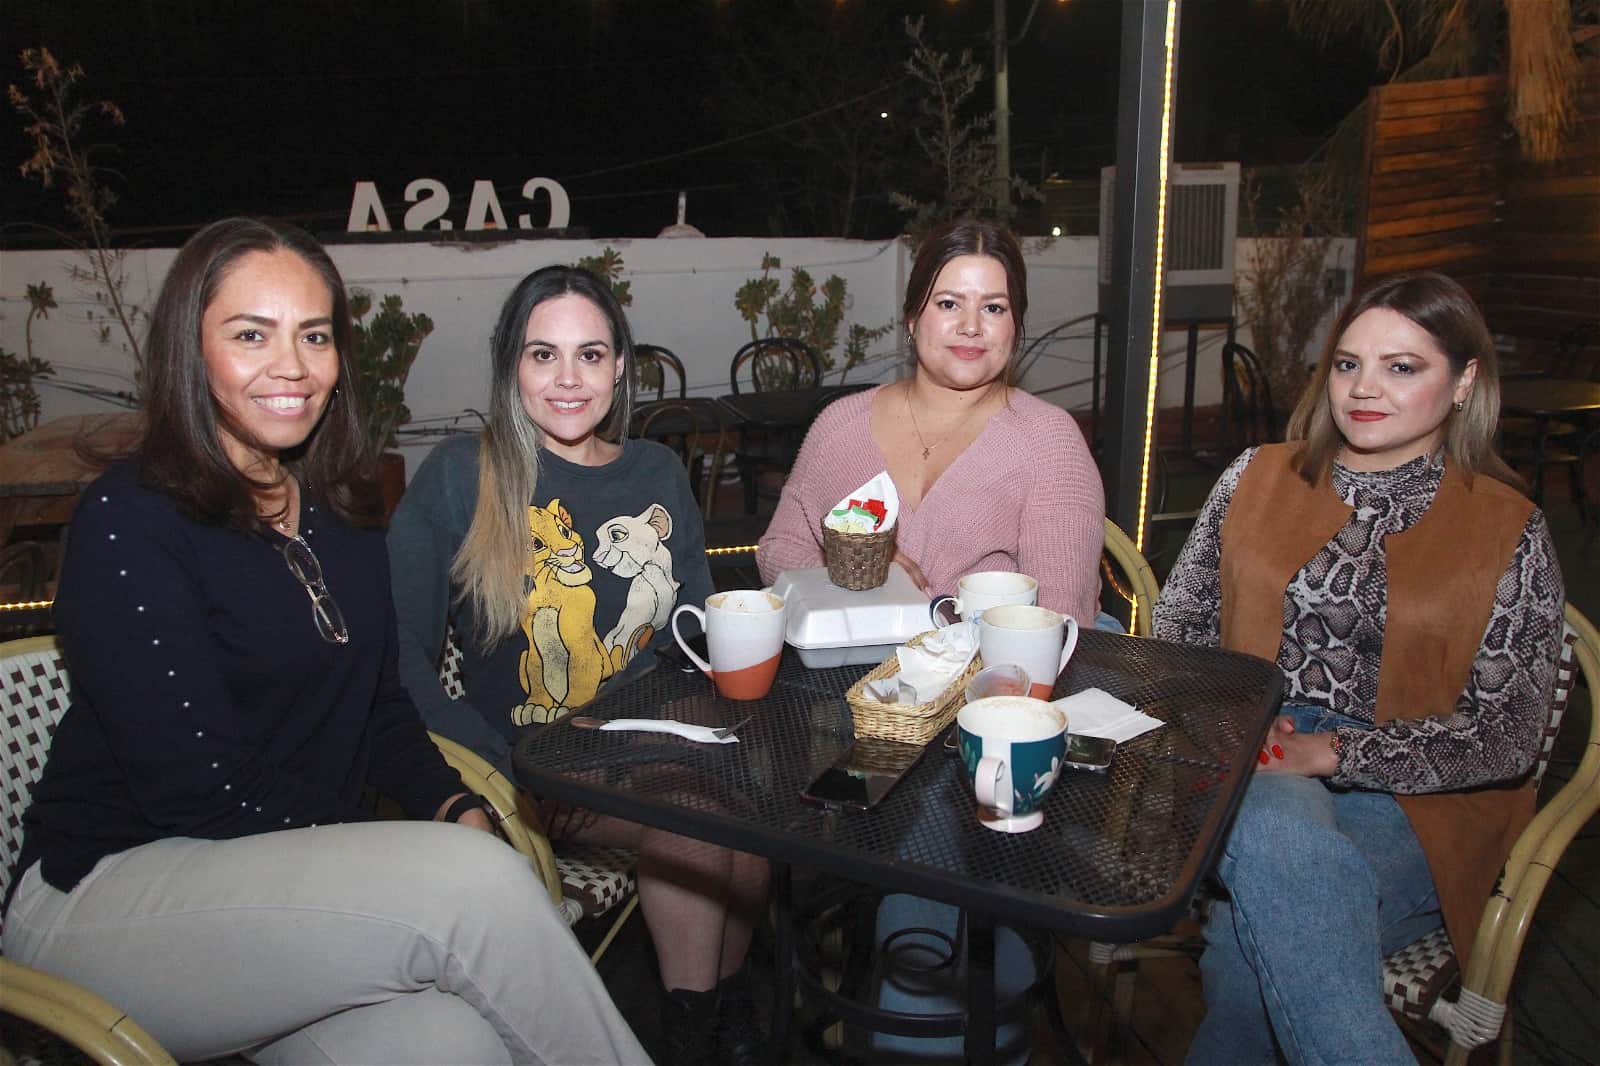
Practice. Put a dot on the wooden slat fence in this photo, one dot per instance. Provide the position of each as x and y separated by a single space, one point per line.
1547 268
1447 190
1434 174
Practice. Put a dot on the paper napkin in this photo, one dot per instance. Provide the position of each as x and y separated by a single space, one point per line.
700 734
928 668
1097 713
872 508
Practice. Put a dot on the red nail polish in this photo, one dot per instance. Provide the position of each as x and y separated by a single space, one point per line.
1262 756
1277 750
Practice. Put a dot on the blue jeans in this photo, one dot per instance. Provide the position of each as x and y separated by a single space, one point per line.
1323 882
917 988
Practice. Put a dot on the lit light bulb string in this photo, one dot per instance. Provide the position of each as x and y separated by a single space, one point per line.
39 605
737 549
1160 271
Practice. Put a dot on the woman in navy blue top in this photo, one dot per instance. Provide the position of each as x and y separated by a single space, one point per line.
225 613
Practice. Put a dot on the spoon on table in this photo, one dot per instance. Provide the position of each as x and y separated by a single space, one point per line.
585 722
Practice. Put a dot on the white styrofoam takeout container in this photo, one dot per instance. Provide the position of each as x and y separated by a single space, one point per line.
831 626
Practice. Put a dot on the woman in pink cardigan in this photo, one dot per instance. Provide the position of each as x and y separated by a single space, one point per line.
990 477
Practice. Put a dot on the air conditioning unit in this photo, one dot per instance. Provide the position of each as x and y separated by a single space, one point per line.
1202 230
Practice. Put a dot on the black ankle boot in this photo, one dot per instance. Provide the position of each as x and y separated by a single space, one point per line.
740 1039
688 1027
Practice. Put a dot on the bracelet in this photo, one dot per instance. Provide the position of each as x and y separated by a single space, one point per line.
470 801
1334 745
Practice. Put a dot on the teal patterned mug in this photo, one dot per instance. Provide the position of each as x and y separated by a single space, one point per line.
1012 747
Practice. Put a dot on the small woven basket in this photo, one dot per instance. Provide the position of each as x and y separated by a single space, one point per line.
858 561
911 723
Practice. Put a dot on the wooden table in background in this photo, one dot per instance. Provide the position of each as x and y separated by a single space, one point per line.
41 472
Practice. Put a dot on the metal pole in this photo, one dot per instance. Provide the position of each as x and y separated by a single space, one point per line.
1002 112
1143 127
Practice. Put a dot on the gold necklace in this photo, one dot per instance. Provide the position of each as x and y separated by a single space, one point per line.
285 523
927 449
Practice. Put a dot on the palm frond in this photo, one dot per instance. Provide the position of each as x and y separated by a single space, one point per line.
1542 74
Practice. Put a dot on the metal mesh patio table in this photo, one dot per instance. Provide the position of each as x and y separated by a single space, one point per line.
1118 857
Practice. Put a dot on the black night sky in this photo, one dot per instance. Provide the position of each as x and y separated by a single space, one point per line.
278 108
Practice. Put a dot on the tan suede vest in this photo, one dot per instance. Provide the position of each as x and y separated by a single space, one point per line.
1442 575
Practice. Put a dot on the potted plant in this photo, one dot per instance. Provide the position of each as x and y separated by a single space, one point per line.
382 354
19 400
804 311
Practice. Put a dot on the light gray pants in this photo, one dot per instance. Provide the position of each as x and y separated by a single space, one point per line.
381 942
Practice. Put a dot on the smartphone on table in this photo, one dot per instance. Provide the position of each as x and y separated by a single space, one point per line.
674 654
1089 753
863 774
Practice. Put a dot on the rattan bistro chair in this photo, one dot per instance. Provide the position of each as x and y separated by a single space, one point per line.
1422 982
586 881
34 687
33 697
1130 578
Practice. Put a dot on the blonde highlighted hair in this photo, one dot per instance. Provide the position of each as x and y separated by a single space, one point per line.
488 570
1439 305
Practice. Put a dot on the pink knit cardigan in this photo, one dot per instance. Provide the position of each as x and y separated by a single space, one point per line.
1024 496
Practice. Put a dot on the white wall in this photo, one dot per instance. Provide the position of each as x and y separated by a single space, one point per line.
682 290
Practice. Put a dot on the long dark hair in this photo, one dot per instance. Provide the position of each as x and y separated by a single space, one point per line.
970 236
487 569
1440 306
181 452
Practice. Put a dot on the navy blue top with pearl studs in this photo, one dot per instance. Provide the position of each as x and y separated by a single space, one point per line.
204 701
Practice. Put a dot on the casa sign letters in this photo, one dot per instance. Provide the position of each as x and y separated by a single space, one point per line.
430 200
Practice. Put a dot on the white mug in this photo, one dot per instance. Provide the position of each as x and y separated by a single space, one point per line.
744 636
976 593
1039 640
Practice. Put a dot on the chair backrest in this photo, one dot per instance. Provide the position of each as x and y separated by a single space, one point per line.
655 363
450 667
33 697
699 457
775 363
1137 583
1247 408
1568 670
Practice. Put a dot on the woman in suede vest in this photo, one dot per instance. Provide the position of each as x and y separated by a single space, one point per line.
1388 561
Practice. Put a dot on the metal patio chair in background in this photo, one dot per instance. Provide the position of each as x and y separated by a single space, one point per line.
676 425
770 364
655 363
1248 414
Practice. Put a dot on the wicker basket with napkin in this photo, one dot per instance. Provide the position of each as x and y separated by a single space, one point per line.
858 535
911 723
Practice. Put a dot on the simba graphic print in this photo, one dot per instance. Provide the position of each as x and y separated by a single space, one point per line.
611 550
566 661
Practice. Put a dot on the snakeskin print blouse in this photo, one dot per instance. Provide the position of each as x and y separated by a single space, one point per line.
1333 619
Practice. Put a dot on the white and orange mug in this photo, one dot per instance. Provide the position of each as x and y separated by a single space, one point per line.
744 637
1039 640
